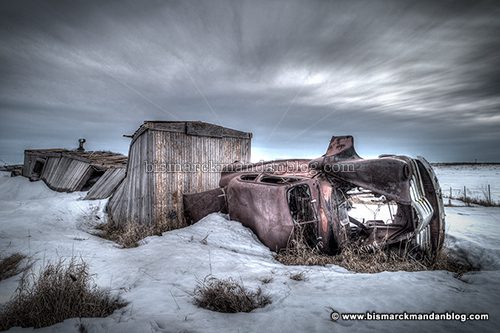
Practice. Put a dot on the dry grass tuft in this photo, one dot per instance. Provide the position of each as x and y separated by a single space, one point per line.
447 261
60 291
82 328
10 266
362 260
394 259
298 276
228 296
311 257
129 234
478 201
266 280
298 252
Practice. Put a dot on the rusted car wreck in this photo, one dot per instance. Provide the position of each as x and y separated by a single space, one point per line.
317 196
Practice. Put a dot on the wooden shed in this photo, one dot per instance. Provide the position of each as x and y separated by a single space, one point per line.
70 170
167 159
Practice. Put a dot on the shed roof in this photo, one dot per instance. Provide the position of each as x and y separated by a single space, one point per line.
196 128
95 158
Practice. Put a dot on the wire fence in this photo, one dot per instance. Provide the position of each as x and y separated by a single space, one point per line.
475 195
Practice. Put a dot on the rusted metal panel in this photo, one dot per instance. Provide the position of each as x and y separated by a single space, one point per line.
342 147
106 184
291 167
264 205
433 192
199 205
388 176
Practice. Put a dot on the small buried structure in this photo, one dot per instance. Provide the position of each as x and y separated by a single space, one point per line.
168 159
76 170
316 197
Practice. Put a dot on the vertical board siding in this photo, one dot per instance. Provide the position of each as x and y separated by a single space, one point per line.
29 161
105 186
156 196
50 168
131 202
65 174
197 152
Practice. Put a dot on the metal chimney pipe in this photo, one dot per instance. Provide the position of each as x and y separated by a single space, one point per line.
80 144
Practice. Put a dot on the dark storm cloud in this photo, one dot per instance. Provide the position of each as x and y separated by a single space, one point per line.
411 77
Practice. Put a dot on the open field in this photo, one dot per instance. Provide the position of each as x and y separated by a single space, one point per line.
475 178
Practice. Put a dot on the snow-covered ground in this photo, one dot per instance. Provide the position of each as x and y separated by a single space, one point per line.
475 178
158 277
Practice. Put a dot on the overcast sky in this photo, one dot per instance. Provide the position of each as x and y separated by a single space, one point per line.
406 77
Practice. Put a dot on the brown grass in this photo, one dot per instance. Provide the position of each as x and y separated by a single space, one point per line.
298 252
377 260
362 260
266 280
60 291
129 234
301 276
228 296
478 201
468 200
447 261
11 265
312 258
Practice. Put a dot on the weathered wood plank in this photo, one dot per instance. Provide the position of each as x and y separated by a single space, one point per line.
107 184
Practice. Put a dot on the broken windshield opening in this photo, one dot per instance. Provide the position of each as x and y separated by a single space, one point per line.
300 203
366 206
278 180
250 177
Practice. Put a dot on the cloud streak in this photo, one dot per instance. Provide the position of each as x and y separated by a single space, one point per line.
403 76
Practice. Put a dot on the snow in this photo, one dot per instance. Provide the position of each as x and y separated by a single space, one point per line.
158 277
475 178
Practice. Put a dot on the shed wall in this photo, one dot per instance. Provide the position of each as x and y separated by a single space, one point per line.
27 165
193 165
152 193
131 201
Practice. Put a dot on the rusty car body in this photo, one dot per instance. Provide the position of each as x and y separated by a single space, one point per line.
316 196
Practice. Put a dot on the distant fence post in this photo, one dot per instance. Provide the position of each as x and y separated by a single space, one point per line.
465 194
489 194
